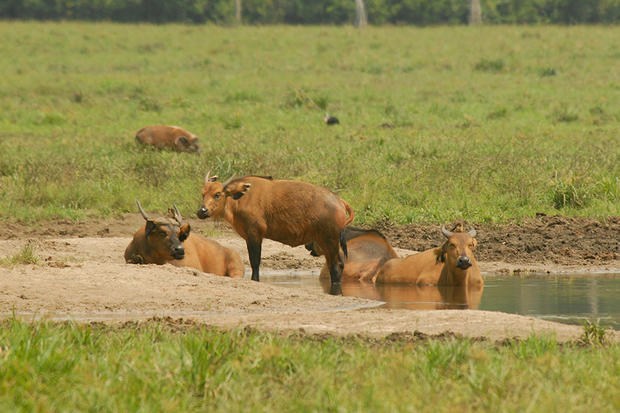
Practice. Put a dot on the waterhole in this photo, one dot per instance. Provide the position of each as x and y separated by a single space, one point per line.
566 298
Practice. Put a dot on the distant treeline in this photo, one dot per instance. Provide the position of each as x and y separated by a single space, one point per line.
417 12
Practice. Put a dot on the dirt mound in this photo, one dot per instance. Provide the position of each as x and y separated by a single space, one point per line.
543 240
125 225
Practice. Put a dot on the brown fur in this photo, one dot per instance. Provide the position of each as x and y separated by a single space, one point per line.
437 266
290 212
367 251
200 253
168 137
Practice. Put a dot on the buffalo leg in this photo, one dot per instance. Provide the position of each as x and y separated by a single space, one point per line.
335 271
254 251
335 265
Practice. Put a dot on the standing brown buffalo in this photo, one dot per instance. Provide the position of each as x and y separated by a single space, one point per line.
167 241
291 212
168 137
451 264
367 251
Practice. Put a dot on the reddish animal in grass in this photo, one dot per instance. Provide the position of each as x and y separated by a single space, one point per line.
168 137
453 263
367 251
290 212
168 241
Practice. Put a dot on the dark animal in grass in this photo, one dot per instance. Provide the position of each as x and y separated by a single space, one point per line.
168 137
367 251
453 264
168 241
330 120
291 212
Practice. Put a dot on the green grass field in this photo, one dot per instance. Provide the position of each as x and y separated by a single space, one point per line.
489 123
159 367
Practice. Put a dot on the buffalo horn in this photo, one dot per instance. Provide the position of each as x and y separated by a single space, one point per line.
210 178
445 232
142 211
177 214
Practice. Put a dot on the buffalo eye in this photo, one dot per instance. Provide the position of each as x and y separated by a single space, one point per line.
217 195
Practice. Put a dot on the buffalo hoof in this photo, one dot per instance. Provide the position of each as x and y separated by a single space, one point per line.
335 289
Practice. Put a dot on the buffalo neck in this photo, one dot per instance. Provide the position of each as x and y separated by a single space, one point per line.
229 210
458 277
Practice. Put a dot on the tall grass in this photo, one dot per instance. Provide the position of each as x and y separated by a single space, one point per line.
486 124
26 255
161 367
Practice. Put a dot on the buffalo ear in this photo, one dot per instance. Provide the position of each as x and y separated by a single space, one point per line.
238 190
183 140
440 253
184 232
149 227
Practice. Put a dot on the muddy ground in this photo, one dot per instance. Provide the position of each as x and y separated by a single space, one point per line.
552 240
81 275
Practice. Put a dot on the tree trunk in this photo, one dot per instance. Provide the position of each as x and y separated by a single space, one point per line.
238 11
475 12
361 18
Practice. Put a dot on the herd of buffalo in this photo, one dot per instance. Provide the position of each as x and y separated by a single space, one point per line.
293 213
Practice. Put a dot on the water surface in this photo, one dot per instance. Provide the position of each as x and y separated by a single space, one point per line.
566 298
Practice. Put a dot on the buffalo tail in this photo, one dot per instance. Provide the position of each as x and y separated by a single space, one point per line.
343 244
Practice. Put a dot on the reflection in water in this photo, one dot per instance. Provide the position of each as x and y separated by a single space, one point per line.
411 296
566 298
